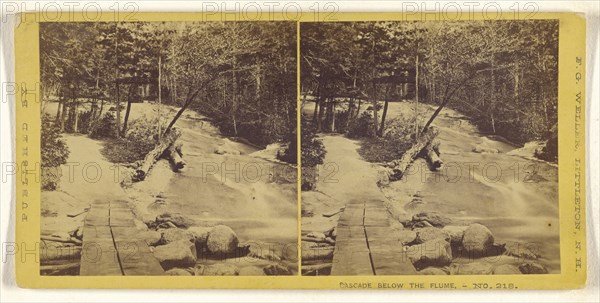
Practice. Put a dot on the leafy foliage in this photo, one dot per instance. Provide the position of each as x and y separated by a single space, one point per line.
392 145
362 127
313 150
140 139
54 152
104 128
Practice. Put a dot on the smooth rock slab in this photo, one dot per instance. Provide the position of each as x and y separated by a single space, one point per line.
177 254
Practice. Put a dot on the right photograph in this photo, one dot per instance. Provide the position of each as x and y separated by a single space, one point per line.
429 147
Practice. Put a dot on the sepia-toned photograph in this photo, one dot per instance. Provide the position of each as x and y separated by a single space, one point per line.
429 148
168 148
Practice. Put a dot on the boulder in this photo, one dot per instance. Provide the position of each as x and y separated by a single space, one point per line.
506 269
219 269
455 233
200 233
406 236
177 272
482 149
522 252
435 219
178 220
432 271
251 271
478 240
421 224
152 237
429 233
171 235
471 268
533 268
277 270
222 240
181 253
317 236
435 252
332 233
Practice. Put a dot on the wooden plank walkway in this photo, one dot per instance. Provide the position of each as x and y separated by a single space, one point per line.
110 247
365 244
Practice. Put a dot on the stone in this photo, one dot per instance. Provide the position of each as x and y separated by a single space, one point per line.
177 254
178 220
482 149
277 270
434 218
435 252
177 272
478 240
506 269
152 237
421 224
332 233
532 268
406 236
222 240
522 251
171 235
432 271
471 268
251 271
200 233
429 233
219 269
455 233
317 236
140 225
227 150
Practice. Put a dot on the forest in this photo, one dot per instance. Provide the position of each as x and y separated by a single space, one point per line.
502 75
241 75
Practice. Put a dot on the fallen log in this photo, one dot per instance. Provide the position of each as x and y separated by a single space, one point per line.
316 270
175 158
432 155
179 148
399 166
73 215
61 240
165 142
315 240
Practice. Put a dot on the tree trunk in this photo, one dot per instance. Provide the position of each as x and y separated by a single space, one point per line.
316 110
118 104
385 109
320 115
159 96
375 114
58 109
417 96
165 143
76 117
127 111
333 117
187 103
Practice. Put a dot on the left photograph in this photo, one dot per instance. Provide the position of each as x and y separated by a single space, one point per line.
168 148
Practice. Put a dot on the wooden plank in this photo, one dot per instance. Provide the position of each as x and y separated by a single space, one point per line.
99 258
351 257
137 259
